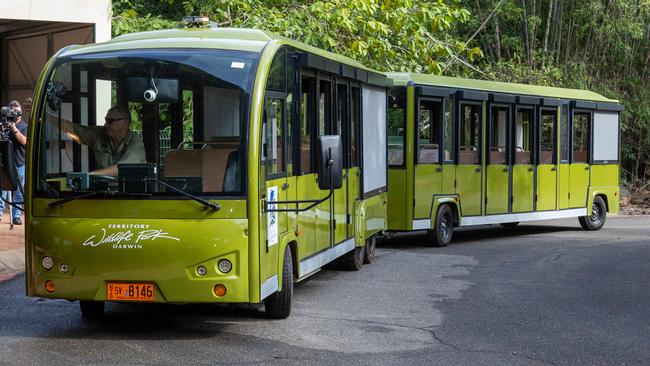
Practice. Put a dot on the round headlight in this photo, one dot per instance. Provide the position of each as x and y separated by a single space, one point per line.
201 271
225 266
47 262
63 268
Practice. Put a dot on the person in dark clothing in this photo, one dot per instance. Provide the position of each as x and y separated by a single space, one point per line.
18 138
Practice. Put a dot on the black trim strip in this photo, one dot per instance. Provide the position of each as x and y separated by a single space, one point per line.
522 99
583 104
430 91
547 102
503 98
609 107
472 95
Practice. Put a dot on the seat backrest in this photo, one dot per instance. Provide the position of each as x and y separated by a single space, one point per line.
215 160
428 154
232 176
183 163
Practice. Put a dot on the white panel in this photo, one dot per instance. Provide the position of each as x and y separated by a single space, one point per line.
315 262
374 138
221 114
103 100
606 136
269 287
521 217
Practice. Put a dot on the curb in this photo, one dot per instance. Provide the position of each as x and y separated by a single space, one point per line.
12 263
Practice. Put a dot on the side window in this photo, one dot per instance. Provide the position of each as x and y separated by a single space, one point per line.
354 128
564 134
449 152
396 126
547 149
277 79
273 142
429 119
523 136
307 122
581 122
498 135
470 122
324 107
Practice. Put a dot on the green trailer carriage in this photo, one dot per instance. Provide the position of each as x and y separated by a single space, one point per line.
470 152
285 171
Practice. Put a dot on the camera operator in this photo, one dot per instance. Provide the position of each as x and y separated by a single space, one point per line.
17 134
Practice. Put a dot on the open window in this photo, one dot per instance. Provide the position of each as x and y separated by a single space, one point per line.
396 126
580 137
498 135
547 136
429 131
470 124
523 135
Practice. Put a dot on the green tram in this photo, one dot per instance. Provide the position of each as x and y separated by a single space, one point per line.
470 152
261 160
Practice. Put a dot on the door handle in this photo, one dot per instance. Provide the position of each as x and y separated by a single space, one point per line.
587 167
478 169
285 186
439 169
506 169
553 168
530 169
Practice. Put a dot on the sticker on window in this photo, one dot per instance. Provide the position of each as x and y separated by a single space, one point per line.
237 65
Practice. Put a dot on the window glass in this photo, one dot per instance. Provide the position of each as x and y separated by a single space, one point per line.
581 122
396 126
498 134
470 123
564 134
273 152
277 79
324 108
449 153
547 137
523 136
429 132
354 128
307 109
188 135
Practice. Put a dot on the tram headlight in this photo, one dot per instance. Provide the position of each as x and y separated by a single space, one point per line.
63 268
201 271
225 266
47 263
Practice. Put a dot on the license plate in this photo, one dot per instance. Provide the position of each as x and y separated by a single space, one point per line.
132 291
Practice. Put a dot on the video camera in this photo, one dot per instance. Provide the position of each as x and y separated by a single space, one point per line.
7 118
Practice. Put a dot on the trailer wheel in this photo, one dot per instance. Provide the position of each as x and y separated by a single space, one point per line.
352 260
598 215
369 255
91 310
278 304
442 232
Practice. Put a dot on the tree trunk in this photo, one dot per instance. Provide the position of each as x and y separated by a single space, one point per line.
498 37
559 33
548 26
526 42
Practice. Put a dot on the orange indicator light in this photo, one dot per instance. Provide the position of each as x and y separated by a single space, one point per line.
220 290
49 286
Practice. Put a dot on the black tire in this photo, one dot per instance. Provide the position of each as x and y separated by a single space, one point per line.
509 224
92 310
598 215
352 260
369 255
442 232
278 305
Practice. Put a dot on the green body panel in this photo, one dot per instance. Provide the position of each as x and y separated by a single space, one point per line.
522 188
546 187
341 211
448 179
371 217
168 260
468 187
410 155
564 171
270 252
579 183
604 180
307 189
397 202
428 181
354 190
498 181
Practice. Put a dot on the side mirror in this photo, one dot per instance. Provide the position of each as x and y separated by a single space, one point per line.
8 174
330 162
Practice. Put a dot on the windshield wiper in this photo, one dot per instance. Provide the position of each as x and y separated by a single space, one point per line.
103 192
213 206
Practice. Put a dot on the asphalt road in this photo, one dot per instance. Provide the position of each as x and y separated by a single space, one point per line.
544 293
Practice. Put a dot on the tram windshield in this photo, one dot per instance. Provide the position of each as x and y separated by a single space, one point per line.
146 122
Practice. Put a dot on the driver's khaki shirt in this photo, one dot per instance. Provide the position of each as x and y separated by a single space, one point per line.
130 150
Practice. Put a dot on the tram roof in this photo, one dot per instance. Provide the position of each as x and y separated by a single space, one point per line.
404 78
242 39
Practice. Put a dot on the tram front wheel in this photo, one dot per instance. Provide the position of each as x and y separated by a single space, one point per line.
441 234
598 215
278 305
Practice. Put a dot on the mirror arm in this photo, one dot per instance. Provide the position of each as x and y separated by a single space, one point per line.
314 203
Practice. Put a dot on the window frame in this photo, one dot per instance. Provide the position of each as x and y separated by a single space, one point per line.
460 103
488 135
554 135
532 137
416 120
572 113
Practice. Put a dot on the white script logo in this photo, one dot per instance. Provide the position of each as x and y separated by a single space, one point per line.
127 239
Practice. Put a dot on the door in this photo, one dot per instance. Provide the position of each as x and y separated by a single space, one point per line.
564 166
468 171
547 160
523 171
354 172
340 127
498 168
579 172
428 166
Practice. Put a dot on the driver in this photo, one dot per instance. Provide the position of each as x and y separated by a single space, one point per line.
113 143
